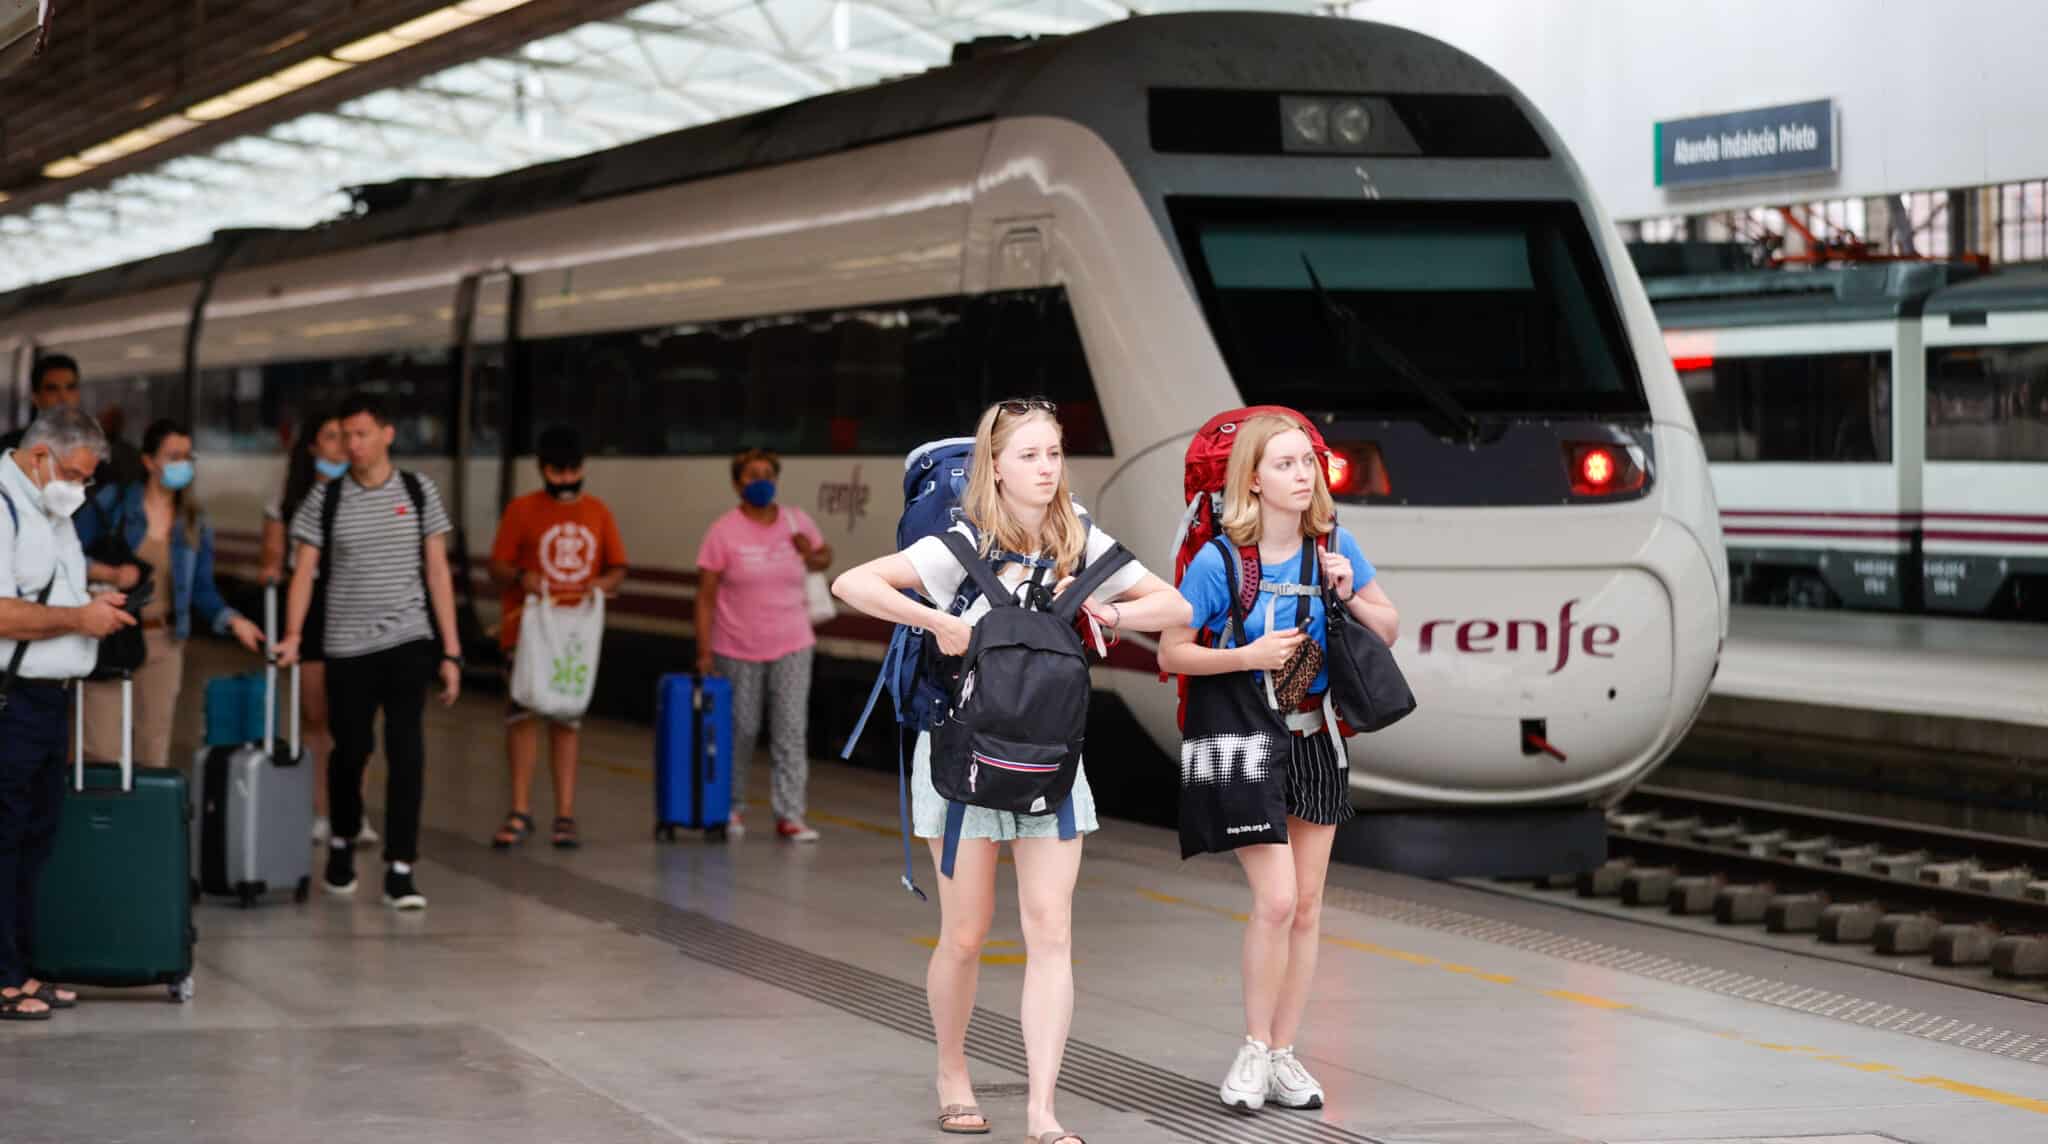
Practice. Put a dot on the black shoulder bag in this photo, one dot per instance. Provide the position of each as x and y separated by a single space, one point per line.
1366 685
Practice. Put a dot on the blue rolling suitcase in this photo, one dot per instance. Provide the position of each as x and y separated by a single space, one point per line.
692 756
234 709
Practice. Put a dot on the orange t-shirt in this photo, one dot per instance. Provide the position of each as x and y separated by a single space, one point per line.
569 545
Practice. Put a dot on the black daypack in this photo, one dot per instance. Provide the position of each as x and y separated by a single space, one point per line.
1018 713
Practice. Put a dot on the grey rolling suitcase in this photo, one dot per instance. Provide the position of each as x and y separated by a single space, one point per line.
256 803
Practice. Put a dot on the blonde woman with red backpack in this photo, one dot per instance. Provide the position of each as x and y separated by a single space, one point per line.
1263 768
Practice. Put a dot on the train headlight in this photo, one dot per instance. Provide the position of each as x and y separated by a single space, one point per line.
1309 120
1352 123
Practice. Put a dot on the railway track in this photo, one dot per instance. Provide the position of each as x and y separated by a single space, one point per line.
1963 900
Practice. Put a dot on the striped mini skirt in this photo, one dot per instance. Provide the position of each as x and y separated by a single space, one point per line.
1318 790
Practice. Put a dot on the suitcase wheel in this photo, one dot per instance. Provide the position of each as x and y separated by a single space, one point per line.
180 991
664 832
715 833
245 895
303 890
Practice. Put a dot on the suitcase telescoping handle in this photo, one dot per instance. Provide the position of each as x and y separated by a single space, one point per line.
127 734
270 676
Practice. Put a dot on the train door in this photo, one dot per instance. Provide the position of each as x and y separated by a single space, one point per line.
484 442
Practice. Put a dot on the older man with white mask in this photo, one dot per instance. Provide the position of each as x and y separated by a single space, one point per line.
50 630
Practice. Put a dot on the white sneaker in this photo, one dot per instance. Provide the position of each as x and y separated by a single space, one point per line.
321 831
1291 1086
1251 1074
367 836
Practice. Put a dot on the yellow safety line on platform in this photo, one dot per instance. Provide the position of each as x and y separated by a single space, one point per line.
1592 1001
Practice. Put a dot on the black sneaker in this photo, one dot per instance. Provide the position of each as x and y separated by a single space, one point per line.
400 893
341 871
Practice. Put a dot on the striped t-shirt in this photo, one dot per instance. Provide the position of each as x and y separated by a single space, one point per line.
376 591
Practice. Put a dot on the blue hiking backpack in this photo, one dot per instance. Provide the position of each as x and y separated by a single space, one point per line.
934 479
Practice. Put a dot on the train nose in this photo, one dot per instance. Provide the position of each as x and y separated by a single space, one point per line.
1539 676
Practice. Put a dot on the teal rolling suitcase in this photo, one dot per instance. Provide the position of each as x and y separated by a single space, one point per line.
114 906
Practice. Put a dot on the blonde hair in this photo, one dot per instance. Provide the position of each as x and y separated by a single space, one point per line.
1242 520
1062 537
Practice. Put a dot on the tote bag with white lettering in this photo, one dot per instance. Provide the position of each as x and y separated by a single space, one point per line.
554 670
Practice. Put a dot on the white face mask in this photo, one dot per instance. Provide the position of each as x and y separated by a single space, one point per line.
62 498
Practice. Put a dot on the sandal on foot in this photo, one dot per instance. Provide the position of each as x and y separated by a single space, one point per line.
1055 1136
51 995
515 831
953 1112
11 1008
565 837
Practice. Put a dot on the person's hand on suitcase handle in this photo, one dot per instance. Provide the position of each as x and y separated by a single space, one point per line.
706 666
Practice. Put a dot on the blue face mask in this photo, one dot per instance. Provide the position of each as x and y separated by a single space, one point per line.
330 469
760 494
177 474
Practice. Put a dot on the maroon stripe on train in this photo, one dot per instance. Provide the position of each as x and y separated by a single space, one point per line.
1802 514
1990 537
1821 533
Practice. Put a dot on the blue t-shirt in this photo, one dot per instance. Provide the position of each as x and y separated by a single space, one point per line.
1207 586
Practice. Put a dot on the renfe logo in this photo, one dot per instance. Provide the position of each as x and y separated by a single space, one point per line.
1477 637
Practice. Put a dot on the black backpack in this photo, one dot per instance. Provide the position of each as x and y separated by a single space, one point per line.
1018 710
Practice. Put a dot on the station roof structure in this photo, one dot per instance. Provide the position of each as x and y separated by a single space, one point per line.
147 125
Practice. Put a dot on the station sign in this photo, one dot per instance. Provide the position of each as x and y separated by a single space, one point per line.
1765 143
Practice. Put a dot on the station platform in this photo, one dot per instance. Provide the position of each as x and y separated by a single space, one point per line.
768 991
1976 687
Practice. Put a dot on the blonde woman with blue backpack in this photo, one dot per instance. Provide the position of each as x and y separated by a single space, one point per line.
993 596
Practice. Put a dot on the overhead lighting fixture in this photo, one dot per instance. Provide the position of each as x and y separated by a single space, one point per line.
304 73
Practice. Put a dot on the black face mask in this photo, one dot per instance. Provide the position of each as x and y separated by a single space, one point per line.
564 490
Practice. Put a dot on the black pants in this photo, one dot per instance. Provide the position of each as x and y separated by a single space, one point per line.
32 774
395 681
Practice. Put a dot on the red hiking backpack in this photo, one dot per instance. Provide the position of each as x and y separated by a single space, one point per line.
1205 469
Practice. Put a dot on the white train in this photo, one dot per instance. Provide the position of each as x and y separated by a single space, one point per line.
1878 433
1122 220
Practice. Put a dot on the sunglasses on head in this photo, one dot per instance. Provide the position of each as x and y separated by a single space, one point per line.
1017 406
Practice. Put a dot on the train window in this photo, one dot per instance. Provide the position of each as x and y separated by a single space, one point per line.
1807 407
1505 305
257 408
1987 403
128 403
873 379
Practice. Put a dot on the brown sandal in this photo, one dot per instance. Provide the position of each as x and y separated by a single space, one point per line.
952 1112
11 1008
518 826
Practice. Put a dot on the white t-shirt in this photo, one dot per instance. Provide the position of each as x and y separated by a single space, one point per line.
942 574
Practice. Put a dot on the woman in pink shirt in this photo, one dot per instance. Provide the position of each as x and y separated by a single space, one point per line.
750 598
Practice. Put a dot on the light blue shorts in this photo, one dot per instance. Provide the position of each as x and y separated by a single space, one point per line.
928 809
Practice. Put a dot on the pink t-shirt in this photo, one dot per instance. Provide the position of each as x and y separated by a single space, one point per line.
760 613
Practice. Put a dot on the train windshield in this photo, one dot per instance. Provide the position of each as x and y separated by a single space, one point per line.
1436 310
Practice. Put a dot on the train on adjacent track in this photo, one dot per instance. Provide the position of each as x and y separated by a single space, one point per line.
1878 432
1147 223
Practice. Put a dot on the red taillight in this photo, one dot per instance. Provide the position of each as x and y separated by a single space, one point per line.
1596 468
1688 364
1357 471
1599 470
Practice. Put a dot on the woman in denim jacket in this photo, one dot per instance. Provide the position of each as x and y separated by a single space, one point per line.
161 525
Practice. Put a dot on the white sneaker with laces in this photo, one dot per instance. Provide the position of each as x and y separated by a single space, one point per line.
1251 1074
1292 1086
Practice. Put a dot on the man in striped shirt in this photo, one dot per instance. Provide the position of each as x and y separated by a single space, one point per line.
378 538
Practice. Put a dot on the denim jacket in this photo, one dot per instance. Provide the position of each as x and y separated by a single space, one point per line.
191 569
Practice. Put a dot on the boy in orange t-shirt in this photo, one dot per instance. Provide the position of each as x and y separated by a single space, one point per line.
569 542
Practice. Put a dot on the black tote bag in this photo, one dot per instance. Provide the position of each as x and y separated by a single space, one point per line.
1366 685
1234 755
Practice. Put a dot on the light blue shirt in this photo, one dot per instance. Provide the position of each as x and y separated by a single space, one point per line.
41 547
